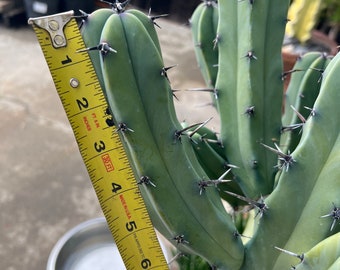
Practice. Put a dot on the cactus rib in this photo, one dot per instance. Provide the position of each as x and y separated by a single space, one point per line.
203 27
91 31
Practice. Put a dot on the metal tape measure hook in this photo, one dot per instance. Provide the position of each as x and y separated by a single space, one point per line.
54 25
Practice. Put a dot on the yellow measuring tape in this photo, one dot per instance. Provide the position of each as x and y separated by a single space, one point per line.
100 146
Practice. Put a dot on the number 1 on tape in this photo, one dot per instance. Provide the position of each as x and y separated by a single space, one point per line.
100 147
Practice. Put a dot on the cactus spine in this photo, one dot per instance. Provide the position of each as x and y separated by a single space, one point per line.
179 169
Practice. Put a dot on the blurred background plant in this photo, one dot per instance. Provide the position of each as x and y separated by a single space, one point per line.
329 21
313 25
302 18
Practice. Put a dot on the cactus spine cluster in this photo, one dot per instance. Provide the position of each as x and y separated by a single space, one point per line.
283 165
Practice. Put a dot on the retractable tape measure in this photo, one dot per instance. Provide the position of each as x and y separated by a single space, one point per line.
101 148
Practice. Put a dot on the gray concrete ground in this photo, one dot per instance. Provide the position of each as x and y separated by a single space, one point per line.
44 186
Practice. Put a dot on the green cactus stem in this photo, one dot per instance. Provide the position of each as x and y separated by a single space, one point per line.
181 170
159 150
249 88
303 90
296 205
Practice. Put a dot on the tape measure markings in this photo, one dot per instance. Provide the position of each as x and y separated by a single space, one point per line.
101 149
